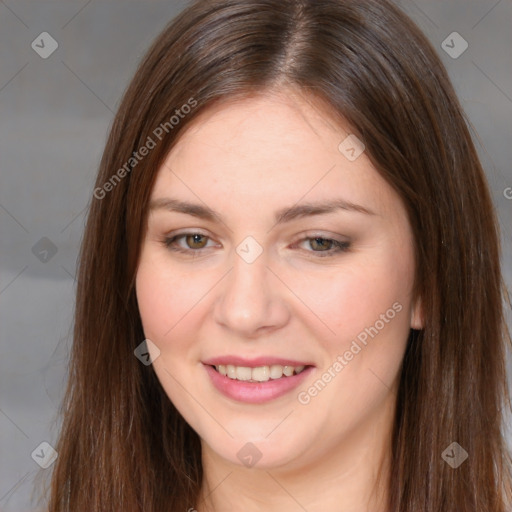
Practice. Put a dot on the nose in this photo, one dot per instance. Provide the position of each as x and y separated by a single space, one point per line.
252 299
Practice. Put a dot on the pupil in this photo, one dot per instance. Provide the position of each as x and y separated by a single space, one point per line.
322 242
196 239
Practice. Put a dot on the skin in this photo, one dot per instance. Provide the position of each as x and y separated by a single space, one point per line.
245 160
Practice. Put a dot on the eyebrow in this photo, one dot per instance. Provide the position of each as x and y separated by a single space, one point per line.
281 216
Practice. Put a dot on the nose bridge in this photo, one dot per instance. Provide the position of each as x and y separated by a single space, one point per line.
249 300
249 277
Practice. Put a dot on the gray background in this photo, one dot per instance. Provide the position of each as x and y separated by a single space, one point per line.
54 117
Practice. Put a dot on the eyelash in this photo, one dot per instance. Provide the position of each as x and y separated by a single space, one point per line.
340 246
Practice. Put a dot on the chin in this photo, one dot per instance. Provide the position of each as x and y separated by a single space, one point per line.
259 451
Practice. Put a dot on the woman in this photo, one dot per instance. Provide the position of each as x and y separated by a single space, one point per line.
290 222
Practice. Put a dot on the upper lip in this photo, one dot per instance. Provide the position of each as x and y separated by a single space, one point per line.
254 362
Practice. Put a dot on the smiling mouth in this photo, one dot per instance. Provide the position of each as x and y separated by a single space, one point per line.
259 373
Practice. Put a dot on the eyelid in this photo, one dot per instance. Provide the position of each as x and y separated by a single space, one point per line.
323 234
299 238
187 231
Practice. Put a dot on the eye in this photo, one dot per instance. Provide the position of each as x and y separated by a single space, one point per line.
328 246
194 242
322 247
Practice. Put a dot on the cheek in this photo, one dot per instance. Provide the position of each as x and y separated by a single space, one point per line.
368 308
359 298
152 301
165 300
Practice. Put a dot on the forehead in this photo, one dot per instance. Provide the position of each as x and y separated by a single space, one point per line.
275 119
275 147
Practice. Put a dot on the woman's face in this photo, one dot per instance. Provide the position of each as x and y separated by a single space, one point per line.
294 256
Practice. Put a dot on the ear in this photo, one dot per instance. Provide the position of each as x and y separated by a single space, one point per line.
417 317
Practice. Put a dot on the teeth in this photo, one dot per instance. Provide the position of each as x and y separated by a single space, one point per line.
276 371
261 373
258 374
243 373
231 371
288 371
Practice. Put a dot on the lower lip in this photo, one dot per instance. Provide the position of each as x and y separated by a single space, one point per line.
255 392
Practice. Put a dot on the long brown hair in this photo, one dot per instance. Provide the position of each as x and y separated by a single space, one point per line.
123 445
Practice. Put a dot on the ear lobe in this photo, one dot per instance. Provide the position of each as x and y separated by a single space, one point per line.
417 315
